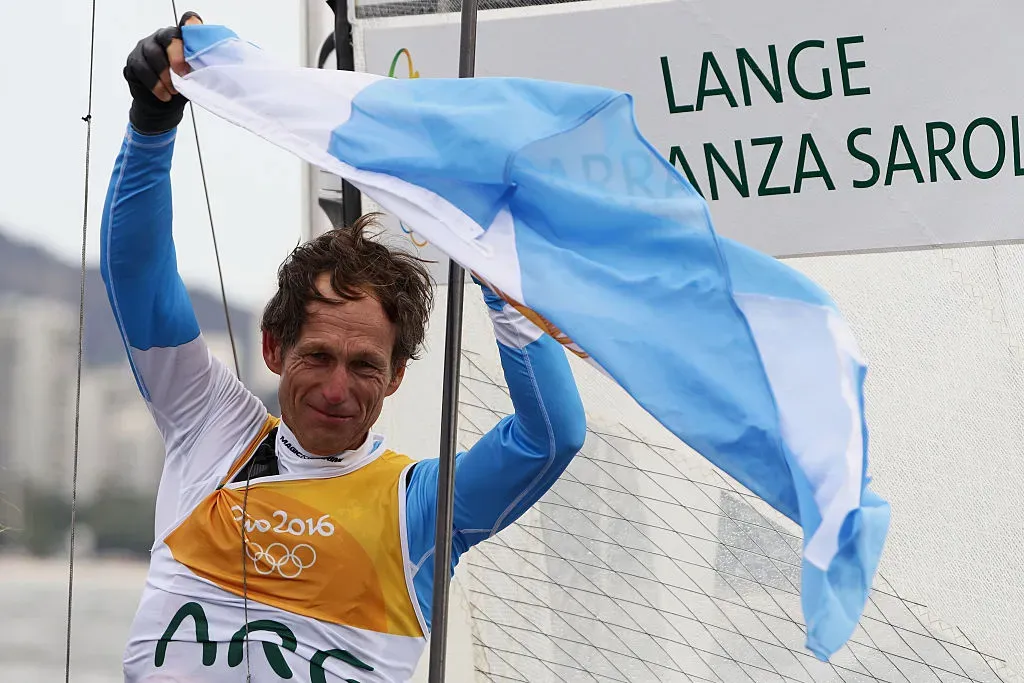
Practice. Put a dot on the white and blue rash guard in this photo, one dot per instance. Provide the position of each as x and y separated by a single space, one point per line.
185 623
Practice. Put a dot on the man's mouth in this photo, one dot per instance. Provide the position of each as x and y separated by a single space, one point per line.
330 416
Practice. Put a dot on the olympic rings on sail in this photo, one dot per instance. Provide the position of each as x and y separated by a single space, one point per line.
412 236
277 557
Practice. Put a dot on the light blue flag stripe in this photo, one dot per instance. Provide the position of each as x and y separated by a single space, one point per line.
743 358
617 250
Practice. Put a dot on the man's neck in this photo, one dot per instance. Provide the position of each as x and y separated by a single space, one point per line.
289 448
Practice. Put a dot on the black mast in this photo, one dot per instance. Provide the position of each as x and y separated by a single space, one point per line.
449 408
351 209
351 200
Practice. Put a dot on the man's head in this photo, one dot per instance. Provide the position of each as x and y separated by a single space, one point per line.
348 315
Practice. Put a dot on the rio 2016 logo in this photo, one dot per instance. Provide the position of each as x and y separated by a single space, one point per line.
411 72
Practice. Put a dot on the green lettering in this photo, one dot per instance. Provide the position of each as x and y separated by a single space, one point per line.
1000 140
1018 165
773 87
820 171
558 168
762 189
846 66
637 175
676 154
675 186
739 181
316 664
863 156
826 90
942 154
703 91
670 94
194 610
899 137
270 650
588 164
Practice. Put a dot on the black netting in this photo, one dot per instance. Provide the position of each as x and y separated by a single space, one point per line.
643 563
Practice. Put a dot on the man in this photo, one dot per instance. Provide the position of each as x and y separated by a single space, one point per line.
304 533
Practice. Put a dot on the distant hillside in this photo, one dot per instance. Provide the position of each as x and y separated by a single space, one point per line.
29 270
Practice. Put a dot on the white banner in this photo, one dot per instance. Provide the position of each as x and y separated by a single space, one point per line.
809 127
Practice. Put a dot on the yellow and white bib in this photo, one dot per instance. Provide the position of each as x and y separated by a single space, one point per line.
329 593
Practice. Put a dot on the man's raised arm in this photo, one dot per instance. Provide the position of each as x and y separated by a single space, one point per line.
516 462
137 258
184 387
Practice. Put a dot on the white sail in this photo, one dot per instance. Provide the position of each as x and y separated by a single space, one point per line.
643 563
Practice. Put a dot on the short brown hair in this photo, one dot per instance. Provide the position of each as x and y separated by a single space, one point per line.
359 265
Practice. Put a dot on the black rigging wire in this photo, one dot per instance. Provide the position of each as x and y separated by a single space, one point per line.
238 369
213 231
216 252
81 335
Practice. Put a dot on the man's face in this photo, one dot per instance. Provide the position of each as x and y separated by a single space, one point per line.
335 378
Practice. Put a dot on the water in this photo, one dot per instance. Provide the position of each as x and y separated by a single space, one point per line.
33 618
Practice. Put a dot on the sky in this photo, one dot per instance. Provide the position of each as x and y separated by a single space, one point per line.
255 188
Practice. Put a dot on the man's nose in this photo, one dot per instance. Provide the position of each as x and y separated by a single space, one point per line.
337 385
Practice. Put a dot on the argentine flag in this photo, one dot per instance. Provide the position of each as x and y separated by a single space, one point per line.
549 193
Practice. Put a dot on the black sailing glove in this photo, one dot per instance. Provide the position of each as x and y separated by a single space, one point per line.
145 63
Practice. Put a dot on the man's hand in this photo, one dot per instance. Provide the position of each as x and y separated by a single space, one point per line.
156 106
492 300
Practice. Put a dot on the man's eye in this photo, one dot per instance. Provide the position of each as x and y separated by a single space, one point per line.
319 357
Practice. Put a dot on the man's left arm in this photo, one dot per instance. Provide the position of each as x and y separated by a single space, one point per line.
513 464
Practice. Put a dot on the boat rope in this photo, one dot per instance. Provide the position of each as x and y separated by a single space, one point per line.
81 343
213 231
81 337
238 369
216 251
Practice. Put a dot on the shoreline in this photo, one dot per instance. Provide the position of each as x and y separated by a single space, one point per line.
90 569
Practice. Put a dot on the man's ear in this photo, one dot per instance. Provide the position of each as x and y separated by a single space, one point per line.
396 379
272 353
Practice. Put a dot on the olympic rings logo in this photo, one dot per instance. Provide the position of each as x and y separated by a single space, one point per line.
413 73
277 557
411 70
412 236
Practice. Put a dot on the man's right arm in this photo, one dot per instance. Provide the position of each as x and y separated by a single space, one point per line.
201 409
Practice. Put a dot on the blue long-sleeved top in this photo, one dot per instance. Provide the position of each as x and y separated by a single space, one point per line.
205 414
